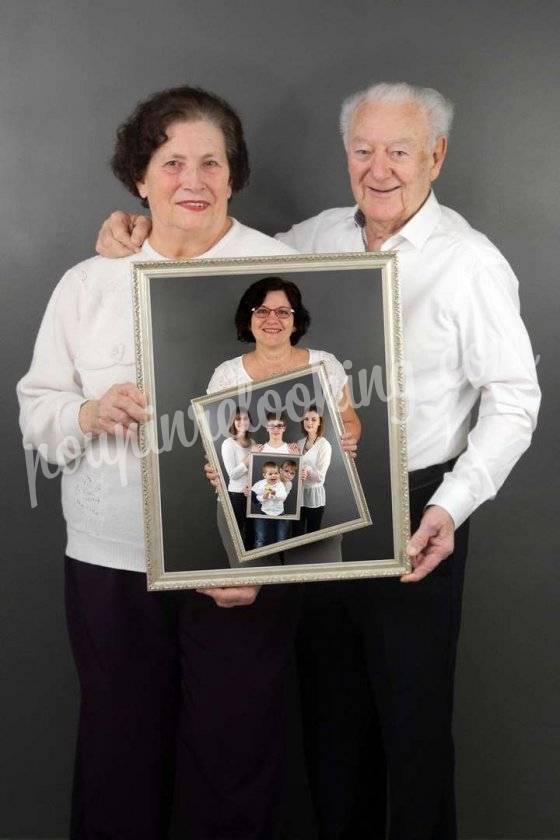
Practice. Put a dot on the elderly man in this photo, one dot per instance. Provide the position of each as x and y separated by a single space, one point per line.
377 657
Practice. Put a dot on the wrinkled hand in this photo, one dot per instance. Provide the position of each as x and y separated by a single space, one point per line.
118 412
122 234
232 596
349 443
431 543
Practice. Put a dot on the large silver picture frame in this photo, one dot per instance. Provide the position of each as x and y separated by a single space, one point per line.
184 328
293 394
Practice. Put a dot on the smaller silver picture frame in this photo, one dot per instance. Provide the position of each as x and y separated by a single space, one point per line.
346 510
292 504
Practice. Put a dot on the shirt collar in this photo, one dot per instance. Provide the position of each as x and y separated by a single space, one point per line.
416 231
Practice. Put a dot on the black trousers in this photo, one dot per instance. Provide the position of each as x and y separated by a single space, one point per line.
310 520
376 661
245 525
171 683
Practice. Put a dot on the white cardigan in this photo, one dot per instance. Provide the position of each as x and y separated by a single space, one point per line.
84 346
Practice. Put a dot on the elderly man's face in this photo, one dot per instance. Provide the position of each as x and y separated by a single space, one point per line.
391 167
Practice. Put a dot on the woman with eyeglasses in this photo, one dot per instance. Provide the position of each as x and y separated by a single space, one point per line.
271 315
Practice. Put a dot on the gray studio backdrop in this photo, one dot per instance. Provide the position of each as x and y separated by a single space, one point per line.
70 70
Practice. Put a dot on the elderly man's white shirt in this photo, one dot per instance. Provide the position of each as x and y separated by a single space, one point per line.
464 339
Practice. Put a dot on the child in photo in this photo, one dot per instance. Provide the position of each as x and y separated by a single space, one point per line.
270 490
271 493
288 471
276 426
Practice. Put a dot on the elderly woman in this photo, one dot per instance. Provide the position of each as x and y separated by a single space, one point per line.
271 315
168 680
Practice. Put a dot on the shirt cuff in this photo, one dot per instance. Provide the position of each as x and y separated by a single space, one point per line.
456 499
74 437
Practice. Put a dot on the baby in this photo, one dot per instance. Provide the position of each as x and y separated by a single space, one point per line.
271 491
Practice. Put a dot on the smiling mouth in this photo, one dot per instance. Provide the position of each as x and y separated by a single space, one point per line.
194 205
382 192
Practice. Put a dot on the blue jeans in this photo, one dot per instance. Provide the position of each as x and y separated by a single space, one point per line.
271 530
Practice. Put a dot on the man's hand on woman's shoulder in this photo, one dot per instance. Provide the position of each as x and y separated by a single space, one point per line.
122 234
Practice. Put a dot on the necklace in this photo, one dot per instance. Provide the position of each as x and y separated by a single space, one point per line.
265 370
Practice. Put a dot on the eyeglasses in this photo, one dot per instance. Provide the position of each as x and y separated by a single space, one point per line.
276 426
281 312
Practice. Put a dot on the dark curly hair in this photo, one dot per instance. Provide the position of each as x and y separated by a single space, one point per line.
254 297
145 131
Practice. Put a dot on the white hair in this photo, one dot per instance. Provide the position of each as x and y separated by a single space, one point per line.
438 110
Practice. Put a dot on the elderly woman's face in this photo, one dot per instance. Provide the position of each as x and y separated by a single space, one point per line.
187 183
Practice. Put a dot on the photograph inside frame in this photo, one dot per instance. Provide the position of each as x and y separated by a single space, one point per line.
185 330
256 436
264 501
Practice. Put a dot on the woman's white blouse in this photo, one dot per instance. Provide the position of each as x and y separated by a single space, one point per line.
233 456
232 372
317 461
